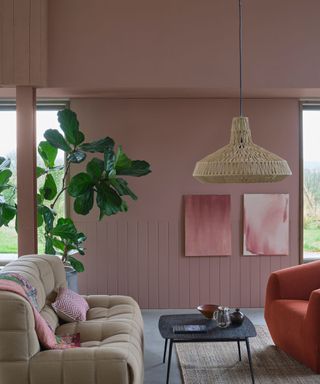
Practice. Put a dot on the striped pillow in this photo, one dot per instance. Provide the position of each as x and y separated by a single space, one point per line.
69 306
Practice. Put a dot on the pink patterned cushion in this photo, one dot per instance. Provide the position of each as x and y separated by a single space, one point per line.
69 306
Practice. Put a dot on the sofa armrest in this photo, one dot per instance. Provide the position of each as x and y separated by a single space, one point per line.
295 283
18 338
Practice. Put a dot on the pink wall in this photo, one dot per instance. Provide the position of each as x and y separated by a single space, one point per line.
140 253
183 47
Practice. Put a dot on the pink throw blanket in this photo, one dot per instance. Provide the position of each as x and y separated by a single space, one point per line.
46 336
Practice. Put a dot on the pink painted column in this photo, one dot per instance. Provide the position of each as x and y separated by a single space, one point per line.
26 170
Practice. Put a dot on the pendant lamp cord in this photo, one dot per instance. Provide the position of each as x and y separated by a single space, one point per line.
240 56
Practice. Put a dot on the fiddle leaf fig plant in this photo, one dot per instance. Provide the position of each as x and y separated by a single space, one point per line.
98 184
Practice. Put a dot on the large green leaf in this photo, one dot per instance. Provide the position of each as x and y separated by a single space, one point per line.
108 200
39 199
121 186
40 171
81 237
98 146
48 217
8 213
70 126
48 153
58 244
95 168
39 217
76 264
122 160
55 138
49 188
138 168
76 157
84 203
65 229
5 175
49 249
6 186
109 161
79 184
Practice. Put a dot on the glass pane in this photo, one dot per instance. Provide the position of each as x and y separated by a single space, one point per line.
8 235
47 120
311 186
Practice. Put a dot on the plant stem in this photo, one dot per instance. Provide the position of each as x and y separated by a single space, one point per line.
57 197
63 188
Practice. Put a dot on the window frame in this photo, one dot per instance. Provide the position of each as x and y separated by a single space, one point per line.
304 105
41 105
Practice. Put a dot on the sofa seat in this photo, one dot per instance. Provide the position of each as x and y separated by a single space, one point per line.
111 338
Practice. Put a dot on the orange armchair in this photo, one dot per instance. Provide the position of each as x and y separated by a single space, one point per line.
292 312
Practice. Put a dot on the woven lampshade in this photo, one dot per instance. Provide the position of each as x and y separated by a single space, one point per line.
241 161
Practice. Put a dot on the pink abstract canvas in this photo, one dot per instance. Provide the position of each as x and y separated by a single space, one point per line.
207 225
266 224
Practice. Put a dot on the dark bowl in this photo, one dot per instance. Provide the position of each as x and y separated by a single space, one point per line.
207 310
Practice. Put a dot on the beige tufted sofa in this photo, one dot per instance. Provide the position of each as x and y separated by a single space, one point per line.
111 339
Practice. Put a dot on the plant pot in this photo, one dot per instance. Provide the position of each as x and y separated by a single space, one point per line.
72 278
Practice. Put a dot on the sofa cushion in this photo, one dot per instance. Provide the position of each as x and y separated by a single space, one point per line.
70 306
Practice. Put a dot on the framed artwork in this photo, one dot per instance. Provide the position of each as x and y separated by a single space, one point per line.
266 224
207 225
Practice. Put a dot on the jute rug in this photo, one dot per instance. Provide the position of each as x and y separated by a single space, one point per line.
217 363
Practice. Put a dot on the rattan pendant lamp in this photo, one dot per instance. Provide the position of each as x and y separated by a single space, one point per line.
241 161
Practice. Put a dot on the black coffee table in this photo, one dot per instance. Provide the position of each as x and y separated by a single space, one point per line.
214 334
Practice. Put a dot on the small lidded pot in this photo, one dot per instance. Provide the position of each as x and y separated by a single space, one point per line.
237 317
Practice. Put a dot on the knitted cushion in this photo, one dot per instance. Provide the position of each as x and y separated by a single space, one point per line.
70 306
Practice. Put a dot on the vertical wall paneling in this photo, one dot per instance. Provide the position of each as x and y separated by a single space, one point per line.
215 280
153 263
235 271
7 41
23 42
194 276
112 257
184 274
255 281
173 272
204 290
102 265
122 258
92 257
264 275
225 293
163 264
245 283
142 267
133 262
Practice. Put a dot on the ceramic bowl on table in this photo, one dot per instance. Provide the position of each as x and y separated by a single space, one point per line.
207 310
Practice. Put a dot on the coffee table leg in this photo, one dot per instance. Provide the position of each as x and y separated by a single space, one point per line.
239 350
169 360
249 358
165 351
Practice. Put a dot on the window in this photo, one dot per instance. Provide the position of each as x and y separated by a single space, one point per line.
46 118
311 181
